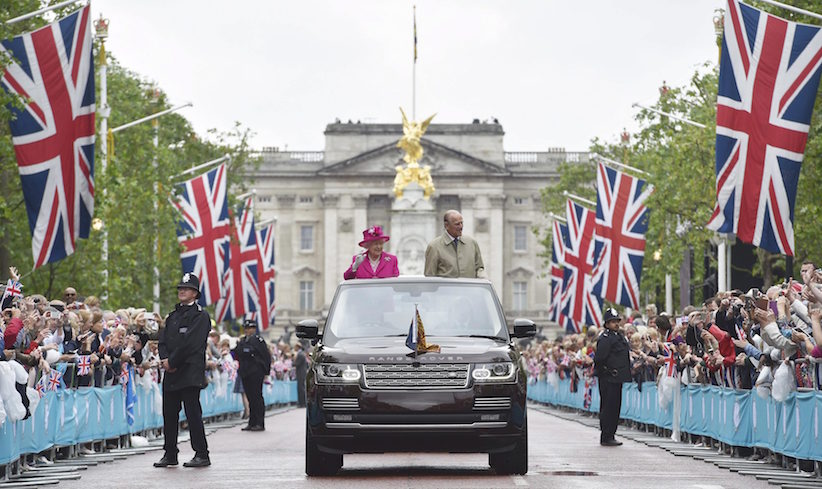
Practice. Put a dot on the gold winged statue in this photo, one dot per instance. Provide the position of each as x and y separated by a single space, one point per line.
410 142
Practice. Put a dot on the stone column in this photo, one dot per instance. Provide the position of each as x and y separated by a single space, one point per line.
288 299
467 211
494 263
360 219
331 261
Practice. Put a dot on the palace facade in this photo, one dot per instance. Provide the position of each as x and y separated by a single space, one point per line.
321 202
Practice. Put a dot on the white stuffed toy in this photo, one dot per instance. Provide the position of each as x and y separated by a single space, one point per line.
15 410
783 383
763 382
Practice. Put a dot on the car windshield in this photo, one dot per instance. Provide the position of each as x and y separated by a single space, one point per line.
386 309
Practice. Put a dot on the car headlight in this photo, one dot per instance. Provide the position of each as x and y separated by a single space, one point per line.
335 373
493 372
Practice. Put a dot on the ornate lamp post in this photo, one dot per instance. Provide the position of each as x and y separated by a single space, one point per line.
101 30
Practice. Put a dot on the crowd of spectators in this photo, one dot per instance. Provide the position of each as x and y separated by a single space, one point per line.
76 342
765 340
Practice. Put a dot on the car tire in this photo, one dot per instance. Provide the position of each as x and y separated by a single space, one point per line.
318 462
514 461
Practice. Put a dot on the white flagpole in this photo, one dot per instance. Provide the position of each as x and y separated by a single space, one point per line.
41 11
578 198
595 156
101 29
675 117
414 72
202 165
793 9
150 117
556 217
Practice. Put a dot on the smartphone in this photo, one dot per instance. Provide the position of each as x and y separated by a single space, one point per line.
773 308
762 303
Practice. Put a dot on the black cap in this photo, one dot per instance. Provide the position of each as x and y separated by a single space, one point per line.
250 323
190 281
609 315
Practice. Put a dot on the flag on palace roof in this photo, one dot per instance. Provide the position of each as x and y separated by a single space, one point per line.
619 239
52 71
203 228
578 303
768 80
240 276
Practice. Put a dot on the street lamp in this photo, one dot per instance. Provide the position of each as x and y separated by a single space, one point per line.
719 28
101 31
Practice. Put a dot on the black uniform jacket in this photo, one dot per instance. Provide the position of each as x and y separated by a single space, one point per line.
254 357
183 343
612 361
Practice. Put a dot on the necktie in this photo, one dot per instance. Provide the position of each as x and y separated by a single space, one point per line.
455 242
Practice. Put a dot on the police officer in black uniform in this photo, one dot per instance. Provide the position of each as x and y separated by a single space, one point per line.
182 345
612 364
255 362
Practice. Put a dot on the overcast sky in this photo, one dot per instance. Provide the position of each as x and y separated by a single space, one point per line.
555 73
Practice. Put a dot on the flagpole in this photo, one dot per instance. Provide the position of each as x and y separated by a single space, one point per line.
596 156
557 218
150 117
793 9
580 199
101 29
414 72
41 11
202 165
675 117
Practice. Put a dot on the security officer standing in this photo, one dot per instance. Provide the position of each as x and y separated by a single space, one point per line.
255 362
612 364
182 345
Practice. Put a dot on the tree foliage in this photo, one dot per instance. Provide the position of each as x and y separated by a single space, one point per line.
131 196
680 160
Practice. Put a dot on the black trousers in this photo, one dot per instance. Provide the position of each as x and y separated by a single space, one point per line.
610 395
188 397
301 390
253 385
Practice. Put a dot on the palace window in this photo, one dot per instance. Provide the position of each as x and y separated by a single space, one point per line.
520 295
306 238
520 238
306 296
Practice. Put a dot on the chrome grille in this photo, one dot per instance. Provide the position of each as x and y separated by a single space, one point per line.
492 403
407 376
341 403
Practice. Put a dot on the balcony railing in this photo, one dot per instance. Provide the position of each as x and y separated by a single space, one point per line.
553 157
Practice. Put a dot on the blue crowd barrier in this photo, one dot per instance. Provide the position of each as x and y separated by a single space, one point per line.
71 416
735 417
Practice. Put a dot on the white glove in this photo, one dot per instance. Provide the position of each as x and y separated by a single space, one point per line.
357 262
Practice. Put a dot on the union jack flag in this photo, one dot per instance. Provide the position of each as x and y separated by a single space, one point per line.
83 364
670 361
40 386
578 303
124 375
619 242
203 229
265 269
53 135
559 232
54 380
240 291
768 79
13 289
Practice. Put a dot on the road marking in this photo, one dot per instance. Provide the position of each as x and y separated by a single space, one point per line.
519 480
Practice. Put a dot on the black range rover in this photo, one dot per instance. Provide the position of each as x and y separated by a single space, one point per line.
367 392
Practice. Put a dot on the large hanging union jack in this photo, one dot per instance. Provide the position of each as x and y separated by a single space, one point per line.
559 233
578 304
768 79
266 274
53 135
619 241
202 230
240 291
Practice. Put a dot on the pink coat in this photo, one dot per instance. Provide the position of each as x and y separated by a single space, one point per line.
387 267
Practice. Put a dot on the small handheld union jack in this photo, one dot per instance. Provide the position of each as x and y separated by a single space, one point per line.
83 364
54 379
13 289
124 377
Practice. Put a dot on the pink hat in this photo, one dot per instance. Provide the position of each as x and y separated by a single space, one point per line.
373 234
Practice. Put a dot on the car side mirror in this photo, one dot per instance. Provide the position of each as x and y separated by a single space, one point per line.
308 329
524 328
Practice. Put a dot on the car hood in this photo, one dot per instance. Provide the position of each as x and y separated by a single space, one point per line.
393 350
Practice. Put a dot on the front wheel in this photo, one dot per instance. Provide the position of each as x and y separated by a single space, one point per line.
514 461
318 462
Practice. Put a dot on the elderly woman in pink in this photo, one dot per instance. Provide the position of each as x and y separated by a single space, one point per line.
373 262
